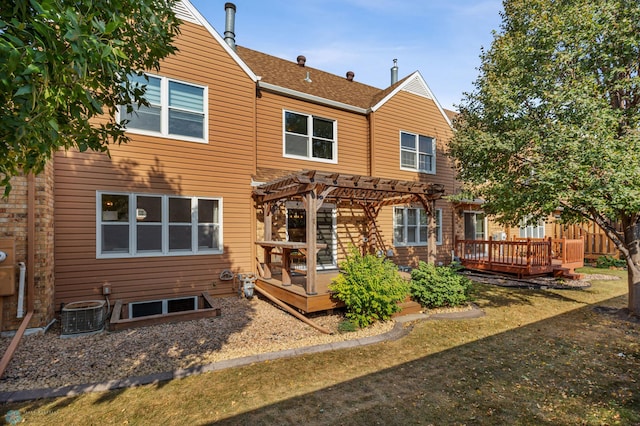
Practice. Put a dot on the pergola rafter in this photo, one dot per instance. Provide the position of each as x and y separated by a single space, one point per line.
339 186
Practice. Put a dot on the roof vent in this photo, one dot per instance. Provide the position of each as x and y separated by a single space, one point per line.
350 75
230 25
394 72
182 12
301 60
308 78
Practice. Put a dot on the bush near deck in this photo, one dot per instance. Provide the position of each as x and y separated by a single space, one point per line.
439 286
370 287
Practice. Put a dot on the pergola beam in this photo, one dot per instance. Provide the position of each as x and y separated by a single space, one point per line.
343 186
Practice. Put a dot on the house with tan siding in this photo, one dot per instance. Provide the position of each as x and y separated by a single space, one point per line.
244 163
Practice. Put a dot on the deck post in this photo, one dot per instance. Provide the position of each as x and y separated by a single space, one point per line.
529 254
312 236
431 234
456 251
490 254
268 221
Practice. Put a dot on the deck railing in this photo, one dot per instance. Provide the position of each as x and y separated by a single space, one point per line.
568 251
527 252
521 256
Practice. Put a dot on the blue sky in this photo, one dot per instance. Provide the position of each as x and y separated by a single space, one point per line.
441 39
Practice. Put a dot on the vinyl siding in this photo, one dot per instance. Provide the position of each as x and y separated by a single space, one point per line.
352 135
415 114
220 168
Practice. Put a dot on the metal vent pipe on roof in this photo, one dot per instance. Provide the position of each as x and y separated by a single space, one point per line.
230 25
394 72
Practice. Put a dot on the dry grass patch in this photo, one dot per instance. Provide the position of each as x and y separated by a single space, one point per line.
537 357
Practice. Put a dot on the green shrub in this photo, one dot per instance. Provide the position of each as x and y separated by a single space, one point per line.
370 287
439 286
346 326
607 262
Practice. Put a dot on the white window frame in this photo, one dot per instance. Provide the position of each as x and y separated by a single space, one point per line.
132 223
164 112
310 117
417 153
531 231
405 227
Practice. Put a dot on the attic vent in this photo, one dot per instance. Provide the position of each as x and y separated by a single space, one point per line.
417 87
182 12
83 317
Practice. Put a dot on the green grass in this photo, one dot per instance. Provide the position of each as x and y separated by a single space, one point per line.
537 357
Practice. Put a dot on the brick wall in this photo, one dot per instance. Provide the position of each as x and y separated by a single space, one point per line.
14 226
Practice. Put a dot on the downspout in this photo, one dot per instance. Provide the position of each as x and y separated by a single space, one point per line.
23 271
31 257
253 220
372 144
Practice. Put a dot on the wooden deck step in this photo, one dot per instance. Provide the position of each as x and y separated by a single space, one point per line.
568 273
408 307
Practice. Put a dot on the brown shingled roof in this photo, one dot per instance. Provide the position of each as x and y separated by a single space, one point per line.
450 114
381 94
290 75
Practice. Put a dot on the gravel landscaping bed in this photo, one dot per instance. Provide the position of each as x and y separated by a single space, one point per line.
246 327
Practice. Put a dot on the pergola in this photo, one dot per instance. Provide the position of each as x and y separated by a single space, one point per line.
371 193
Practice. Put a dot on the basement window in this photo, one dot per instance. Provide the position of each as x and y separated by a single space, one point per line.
162 307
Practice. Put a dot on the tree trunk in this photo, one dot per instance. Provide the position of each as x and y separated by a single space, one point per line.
632 242
633 276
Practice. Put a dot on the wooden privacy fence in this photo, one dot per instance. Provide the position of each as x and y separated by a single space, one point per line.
521 256
596 242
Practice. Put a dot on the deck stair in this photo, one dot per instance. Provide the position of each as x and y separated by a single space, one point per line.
408 307
568 273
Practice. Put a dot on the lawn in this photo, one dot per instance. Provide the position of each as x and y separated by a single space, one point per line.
537 357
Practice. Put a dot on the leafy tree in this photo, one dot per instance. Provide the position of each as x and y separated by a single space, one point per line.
64 62
554 119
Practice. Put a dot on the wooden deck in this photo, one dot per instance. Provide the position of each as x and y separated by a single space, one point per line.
295 294
523 257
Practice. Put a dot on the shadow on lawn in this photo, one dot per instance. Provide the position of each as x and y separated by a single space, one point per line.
575 368
493 296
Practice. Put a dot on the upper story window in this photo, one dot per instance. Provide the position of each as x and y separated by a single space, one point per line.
176 109
417 153
410 226
131 225
309 137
